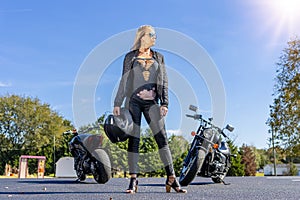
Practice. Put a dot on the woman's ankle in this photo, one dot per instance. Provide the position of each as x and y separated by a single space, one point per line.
133 176
171 178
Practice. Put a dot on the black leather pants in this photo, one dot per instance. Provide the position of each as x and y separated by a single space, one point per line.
151 112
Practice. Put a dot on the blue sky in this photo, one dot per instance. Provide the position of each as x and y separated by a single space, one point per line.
43 46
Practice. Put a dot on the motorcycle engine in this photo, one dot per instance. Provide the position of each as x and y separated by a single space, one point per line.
86 165
219 163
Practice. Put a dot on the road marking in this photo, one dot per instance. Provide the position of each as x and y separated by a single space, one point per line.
294 179
282 177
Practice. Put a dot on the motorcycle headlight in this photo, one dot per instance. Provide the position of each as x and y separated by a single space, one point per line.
211 134
208 133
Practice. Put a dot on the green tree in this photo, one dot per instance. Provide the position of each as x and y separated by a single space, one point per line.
178 162
261 157
28 126
284 113
149 162
237 167
179 149
293 171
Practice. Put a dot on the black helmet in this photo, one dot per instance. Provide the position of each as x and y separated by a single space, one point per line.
119 128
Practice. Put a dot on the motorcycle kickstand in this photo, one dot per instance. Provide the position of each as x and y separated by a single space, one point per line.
77 180
225 183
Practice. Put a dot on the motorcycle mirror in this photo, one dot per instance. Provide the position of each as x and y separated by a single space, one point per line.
229 127
193 108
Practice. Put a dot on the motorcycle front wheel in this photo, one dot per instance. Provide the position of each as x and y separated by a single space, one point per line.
192 167
102 171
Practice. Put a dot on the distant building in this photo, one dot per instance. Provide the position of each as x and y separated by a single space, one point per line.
281 169
65 168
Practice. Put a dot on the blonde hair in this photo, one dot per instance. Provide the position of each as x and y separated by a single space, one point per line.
139 34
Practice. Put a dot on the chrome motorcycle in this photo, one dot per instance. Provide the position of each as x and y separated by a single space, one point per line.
89 156
208 155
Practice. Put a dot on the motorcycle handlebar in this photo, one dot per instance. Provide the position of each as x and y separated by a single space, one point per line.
199 117
196 117
223 134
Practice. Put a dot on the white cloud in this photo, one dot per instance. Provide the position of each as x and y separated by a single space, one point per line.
174 132
5 84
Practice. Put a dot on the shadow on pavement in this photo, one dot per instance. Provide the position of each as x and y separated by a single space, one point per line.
63 181
202 183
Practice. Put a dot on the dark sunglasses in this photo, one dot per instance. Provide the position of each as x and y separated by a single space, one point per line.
152 35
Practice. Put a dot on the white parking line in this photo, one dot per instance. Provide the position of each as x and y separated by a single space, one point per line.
281 177
295 179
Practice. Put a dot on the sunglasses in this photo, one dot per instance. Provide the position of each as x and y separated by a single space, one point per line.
152 35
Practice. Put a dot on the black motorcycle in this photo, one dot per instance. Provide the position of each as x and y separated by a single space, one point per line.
208 155
89 157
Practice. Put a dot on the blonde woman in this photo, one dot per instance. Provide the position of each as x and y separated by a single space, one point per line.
144 85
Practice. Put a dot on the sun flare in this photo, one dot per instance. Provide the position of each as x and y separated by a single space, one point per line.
287 8
283 16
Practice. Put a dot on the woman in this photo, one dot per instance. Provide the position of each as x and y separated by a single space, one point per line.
144 83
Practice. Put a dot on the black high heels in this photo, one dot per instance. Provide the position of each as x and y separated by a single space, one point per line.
133 186
173 184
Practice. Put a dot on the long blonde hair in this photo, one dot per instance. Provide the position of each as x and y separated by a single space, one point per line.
139 34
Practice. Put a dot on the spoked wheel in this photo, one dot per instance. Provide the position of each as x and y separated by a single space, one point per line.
191 168
102 166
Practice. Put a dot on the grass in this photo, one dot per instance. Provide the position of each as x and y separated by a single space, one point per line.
11 176
29 176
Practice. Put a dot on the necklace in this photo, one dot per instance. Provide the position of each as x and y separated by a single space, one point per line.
145 52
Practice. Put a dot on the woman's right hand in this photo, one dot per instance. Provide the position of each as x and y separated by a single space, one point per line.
116 111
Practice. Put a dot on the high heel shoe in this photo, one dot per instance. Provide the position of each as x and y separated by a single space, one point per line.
175 185
133 186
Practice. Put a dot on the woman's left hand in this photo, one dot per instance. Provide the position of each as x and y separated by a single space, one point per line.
163 110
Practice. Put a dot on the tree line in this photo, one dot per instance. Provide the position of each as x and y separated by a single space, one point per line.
284 119
30 127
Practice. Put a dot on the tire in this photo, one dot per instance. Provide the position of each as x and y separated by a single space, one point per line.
189 172
102 171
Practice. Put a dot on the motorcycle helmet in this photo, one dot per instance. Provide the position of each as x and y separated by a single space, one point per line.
119 128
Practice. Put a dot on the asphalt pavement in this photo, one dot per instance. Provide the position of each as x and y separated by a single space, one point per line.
256 188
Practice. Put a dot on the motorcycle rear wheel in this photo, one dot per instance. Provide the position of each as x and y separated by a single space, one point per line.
102 172
190 170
